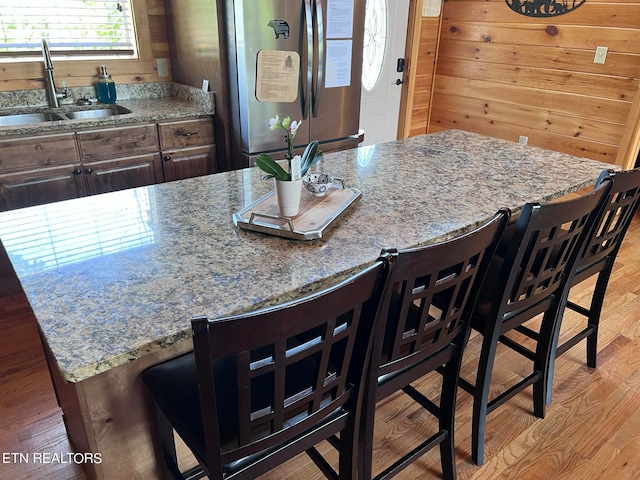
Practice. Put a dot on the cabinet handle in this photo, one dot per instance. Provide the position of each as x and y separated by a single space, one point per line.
166 158
87 171
77 171
180 133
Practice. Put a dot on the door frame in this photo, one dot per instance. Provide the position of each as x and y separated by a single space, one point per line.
409 77
411 60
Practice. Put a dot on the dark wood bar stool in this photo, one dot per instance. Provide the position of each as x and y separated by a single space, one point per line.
423 326
598 258
526 279
265 386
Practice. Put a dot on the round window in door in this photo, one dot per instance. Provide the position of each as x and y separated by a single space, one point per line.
375 42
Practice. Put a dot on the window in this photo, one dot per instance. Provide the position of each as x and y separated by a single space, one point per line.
72 27
375 42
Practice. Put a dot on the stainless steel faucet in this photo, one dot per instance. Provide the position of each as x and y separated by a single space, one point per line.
52 92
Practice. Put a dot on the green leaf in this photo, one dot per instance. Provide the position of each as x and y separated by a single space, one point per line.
271 167
310 157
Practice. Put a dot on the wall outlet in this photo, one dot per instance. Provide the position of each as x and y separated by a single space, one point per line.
601 55
163 67
523 140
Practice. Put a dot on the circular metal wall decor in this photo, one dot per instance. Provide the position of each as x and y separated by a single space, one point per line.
543 8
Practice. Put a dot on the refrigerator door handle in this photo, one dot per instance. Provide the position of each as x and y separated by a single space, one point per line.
320 44
306 88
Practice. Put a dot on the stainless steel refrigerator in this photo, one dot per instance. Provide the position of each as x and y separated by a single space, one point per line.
296 58
221 41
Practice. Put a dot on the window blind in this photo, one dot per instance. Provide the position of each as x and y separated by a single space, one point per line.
71 27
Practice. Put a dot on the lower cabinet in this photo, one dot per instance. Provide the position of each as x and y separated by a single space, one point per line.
52 167
188 148
111 175
39 169
35 187
187 163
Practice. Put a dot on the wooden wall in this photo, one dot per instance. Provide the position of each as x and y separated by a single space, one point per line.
505 75
152 38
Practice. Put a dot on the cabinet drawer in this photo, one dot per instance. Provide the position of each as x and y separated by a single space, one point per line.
38 151
186 133
117 142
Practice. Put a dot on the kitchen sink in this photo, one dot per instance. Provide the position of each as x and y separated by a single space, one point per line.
26 118
61 114
96 113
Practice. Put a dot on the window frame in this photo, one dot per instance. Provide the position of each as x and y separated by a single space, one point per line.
72 47
368 83
29 75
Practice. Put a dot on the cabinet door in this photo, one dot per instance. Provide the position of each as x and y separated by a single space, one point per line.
189 162
111 175
36 187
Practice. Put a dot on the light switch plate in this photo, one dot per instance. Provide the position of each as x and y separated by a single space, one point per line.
601 55
163 67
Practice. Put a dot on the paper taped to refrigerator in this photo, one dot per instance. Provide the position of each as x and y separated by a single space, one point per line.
338 65
340 19
277 76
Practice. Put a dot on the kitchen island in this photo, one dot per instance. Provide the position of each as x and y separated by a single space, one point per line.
113 279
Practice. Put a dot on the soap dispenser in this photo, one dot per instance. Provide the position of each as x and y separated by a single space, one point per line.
105 86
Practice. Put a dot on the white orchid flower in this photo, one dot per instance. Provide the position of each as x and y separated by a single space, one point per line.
274 123
310 156
294 127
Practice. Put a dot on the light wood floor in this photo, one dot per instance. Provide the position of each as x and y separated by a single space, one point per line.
591 430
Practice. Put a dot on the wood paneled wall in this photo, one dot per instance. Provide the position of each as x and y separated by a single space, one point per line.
152 41
505 75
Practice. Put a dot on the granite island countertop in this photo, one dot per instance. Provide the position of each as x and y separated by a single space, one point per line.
116 276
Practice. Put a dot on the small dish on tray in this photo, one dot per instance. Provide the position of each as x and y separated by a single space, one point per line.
317 183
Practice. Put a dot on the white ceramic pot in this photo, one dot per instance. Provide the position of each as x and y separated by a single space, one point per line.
288 194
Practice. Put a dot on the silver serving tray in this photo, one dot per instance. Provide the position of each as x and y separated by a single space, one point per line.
315 216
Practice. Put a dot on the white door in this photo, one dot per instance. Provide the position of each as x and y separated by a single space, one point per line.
386 24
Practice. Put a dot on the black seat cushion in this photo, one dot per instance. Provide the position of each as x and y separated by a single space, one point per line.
174 386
